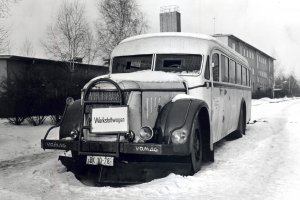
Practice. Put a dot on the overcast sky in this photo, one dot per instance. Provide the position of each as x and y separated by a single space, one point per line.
270 25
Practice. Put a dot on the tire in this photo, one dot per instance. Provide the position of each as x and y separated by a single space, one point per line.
196 146
240 129
242 125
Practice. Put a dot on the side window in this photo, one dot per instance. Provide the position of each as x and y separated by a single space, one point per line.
249 78
215 67
224 68
238 74
232 71
207 70
248 81
244 75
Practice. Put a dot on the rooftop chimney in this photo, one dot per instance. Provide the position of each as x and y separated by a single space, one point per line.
170 19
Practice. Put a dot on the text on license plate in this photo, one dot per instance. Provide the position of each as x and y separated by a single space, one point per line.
100 160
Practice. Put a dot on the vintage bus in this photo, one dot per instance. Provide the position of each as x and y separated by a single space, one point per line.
167 99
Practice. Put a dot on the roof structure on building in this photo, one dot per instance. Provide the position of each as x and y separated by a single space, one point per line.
236 38
167 9
34 59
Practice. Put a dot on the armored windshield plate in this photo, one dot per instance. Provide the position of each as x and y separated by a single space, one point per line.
109 120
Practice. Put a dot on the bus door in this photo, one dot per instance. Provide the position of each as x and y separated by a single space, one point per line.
217 100
206 91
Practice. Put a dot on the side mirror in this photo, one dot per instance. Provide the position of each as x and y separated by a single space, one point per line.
69 101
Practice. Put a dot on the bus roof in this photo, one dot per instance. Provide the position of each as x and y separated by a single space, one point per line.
172 42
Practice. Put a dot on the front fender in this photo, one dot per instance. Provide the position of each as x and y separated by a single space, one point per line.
177 115
71 120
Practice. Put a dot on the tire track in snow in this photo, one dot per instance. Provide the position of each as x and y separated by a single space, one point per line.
20 163
273 147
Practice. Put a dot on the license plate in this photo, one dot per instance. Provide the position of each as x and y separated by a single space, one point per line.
100 160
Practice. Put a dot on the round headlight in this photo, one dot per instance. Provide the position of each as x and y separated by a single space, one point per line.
130 136
146 133
179 137
69 101
74 134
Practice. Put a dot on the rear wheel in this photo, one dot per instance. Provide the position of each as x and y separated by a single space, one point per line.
242 125
240 129
196 146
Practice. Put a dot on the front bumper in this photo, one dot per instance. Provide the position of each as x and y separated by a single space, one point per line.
116 148
134 162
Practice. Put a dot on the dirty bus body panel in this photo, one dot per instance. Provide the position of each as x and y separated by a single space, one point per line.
162 104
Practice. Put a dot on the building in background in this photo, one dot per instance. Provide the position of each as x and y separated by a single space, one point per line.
33 86
170 19
260 63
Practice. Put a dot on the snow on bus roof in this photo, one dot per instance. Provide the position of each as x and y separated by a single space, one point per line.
185 35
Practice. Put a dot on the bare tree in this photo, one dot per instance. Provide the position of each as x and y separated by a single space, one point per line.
4 8
91 50
4 12
27 48
4 43
119 19
70 36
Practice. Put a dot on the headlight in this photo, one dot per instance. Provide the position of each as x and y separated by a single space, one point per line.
69 101
74 134
130 136
179 137
146 133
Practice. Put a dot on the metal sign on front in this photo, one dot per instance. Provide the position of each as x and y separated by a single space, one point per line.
108 120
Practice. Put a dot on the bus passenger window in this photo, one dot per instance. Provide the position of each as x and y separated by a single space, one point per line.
224 68
207 70
238 74
244 75
232 71
249 79
215 67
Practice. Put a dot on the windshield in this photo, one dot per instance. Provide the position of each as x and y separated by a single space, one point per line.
183 63
125 64
179 63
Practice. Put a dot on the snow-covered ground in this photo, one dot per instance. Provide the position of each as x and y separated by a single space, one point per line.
264 164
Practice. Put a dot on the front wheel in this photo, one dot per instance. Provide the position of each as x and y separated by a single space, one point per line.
196 146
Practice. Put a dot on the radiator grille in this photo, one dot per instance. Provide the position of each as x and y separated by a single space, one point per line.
107 96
